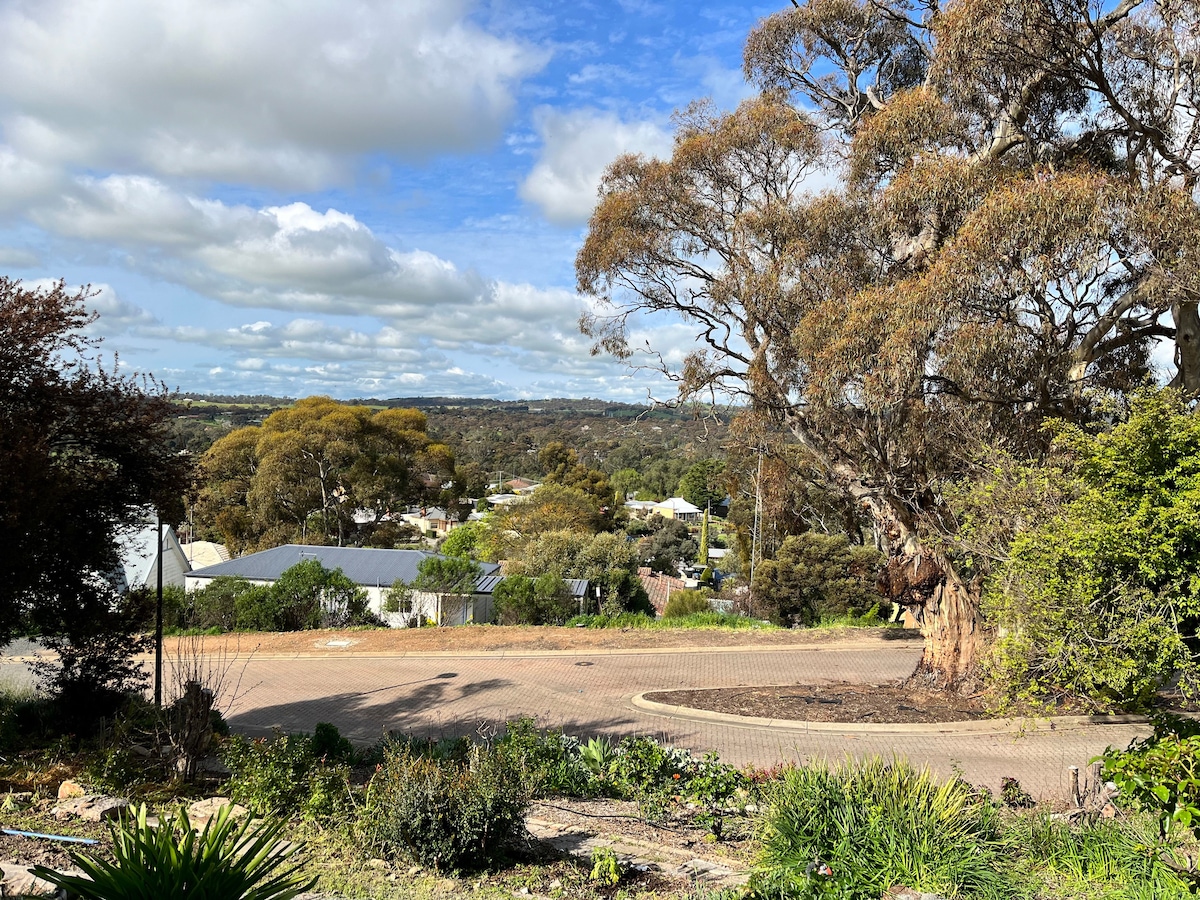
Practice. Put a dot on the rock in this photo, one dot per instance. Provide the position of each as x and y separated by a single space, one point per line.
202 810
69 790
18 881
555 885
377 863
92 808
413 870
900 892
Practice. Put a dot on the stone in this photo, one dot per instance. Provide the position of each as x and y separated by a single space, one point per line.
92 808
19 881
202 810
69 790
414 870
900 892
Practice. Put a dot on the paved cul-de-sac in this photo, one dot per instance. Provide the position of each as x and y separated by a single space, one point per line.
590 693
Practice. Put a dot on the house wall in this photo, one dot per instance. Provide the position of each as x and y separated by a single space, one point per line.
478 608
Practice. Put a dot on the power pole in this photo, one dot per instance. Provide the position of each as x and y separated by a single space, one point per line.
757 526
158 616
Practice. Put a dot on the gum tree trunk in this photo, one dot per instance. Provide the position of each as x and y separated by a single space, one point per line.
947 609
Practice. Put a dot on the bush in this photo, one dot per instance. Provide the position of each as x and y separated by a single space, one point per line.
549 761
521 600
448 814
285 776
815 576
876 825
328 744
257 609
226 860
1160 774
216 604
642 766
686 603
1100 595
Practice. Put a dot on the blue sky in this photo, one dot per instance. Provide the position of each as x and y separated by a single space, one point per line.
347 197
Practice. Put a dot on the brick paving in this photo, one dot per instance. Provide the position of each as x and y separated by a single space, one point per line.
589 694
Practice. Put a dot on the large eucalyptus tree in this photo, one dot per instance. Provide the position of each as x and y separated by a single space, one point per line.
1012 231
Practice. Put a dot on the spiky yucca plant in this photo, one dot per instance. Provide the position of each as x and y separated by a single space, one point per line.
224 861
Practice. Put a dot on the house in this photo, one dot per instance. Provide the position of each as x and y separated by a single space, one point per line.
205 553
375 571
521 485
138 567
431 519
678 508
640 509
659 587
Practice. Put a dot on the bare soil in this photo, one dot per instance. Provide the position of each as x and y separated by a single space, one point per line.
838 702
493 638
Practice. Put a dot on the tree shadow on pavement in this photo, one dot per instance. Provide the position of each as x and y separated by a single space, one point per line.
443 705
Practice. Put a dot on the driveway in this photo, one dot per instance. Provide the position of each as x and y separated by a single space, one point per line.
589 693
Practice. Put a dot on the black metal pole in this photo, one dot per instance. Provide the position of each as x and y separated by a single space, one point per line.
158 619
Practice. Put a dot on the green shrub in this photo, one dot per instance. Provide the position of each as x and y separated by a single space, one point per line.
284 776
815 576
1101 590
695 620
328 744
606 868
549 761
876 825
621 620
641 766
1161 774
225 860
444 813
713 783
686 603
257 609
545 600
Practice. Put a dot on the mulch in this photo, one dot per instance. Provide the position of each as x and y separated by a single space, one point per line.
891 703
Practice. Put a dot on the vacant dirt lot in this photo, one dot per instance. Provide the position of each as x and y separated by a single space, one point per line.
493 638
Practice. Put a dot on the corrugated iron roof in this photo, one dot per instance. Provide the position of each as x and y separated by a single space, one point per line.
364 566
577 586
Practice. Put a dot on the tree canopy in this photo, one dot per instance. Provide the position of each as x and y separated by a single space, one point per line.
84 458
1013 226
309 470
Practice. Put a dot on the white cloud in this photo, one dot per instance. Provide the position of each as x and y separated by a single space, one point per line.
284 92
299 259
576 148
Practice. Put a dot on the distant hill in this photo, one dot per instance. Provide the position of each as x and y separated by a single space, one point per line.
499 435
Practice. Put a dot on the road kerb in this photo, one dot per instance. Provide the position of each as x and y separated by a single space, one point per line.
980 726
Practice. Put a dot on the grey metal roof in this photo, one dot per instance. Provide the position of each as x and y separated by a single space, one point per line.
365 566
487 584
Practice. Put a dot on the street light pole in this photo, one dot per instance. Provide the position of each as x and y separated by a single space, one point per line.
158 616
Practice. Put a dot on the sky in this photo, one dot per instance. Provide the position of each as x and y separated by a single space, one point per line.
357 198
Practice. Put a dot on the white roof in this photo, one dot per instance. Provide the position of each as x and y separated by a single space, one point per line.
139 557
205 553
679 505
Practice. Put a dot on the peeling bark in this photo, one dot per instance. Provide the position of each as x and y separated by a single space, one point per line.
947 609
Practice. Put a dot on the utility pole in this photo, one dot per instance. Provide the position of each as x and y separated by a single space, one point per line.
757 526
158 616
